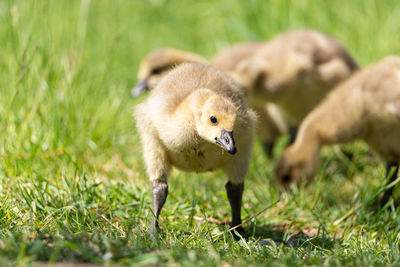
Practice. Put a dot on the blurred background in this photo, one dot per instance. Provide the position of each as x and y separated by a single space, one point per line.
67 66
66 71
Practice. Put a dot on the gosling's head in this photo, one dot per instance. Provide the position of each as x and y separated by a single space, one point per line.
295 167
216 122
155 65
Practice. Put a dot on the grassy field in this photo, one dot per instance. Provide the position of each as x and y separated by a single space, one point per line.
72 181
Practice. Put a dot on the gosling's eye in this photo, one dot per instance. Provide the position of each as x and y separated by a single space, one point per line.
213 120
156 71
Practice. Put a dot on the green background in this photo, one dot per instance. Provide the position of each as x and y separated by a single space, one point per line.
72 181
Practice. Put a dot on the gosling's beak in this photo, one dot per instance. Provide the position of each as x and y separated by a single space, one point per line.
226 141
139 88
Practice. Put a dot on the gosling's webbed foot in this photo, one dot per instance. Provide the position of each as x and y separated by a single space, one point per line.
240 230
153 233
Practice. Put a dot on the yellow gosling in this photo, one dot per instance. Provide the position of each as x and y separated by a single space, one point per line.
196 120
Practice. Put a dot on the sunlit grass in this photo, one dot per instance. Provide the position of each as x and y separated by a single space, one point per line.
72 181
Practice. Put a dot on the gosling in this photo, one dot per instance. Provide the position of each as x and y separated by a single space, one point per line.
196 120
155 65
366 106
294 70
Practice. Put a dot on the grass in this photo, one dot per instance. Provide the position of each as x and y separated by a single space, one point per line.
72 181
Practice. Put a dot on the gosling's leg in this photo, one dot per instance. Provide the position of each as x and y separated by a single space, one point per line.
292 135
235 193
159 195
388 193
268 148
268 129
157 168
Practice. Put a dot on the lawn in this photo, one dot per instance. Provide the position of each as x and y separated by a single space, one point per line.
72 181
